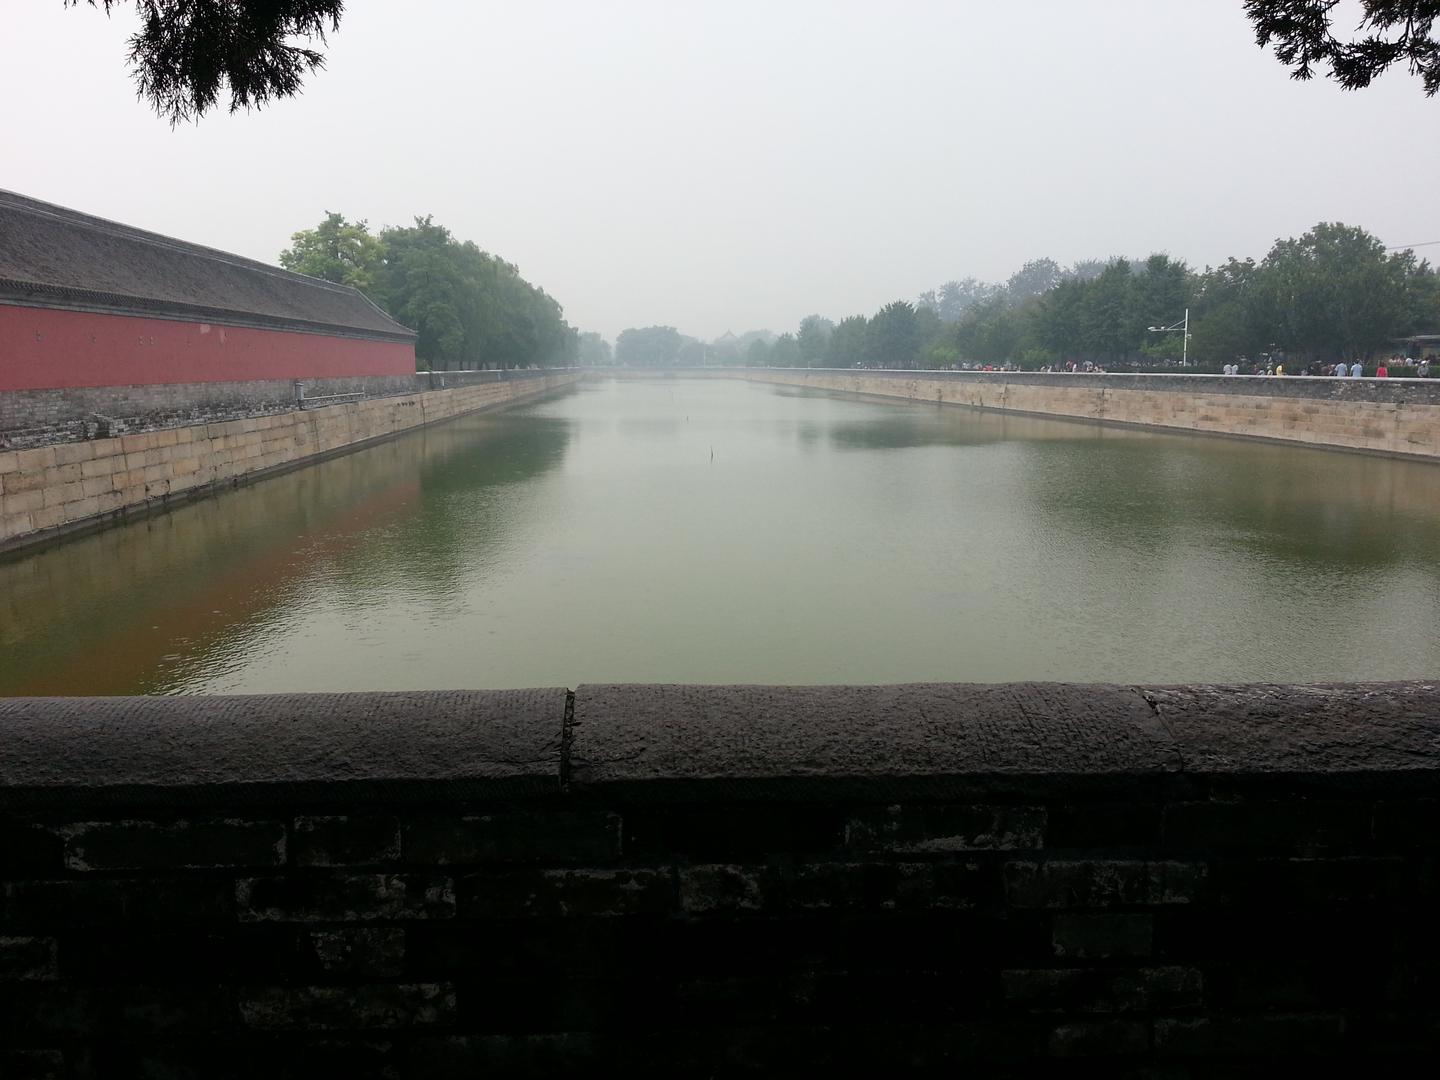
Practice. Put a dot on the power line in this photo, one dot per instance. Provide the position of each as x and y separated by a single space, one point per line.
1404 247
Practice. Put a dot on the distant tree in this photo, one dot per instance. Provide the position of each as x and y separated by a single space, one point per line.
650 346
188 51
957 297
1334 292
895 336
1389 32
594 350
1035 277
990 332
814 340
785 352
850 342
692 352
336 250
757 353
1161 291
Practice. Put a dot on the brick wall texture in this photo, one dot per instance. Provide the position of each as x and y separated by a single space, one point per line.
50 487
1213 935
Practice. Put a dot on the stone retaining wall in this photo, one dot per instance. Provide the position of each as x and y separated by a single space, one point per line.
1024 880
1394 417
1398 417
47 489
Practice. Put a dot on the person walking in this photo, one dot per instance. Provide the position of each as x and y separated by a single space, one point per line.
1356 370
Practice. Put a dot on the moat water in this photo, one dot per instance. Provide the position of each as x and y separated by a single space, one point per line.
720 531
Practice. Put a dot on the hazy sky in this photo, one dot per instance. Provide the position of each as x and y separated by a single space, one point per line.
739 165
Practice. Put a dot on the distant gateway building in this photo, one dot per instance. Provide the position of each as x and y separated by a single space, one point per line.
85 302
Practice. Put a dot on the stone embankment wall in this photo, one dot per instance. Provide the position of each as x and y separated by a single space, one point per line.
1398 417
1025 879
49 488
1394 417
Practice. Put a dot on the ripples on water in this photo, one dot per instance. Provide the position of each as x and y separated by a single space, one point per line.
718 531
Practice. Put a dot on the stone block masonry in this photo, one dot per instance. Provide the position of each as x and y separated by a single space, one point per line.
1020 880
1392 417
49 489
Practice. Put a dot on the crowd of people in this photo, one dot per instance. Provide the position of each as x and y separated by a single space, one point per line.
1400 367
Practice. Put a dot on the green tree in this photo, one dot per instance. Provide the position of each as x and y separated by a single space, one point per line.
814 340
785 352
1392 32
594 350
188 51
1334 292
336 250
650 346
850 343
894 336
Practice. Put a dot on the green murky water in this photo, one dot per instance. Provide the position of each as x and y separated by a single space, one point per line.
718 531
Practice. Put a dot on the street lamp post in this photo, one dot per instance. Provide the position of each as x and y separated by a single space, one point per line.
1184 327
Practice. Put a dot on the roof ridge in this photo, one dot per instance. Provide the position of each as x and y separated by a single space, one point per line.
61 251
29 204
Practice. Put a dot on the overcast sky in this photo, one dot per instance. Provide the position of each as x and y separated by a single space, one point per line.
737 165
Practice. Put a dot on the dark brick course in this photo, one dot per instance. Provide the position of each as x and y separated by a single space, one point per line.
1143 920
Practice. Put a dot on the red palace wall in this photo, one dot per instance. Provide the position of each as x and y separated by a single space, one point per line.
43 349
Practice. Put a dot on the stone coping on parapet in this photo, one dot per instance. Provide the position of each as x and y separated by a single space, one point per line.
686 744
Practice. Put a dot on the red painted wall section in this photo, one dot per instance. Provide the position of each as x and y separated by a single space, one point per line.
41 349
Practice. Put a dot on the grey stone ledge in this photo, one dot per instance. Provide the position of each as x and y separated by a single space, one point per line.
292 748
668 743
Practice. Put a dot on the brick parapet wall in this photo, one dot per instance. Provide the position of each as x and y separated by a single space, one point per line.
31 418
50 488
1031 880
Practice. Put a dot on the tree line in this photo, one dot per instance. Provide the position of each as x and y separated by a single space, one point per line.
1333 294
470 309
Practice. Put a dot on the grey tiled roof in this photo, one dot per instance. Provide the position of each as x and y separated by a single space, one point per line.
54 257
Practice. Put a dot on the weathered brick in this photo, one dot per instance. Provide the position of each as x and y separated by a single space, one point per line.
902 886
114 902
725 887
345 840
1103 825
1099 1038
1291 826
559 836
32 1064
27 958
936 829
164 954
1102 990
1103 937
1321 882
1406 824
29 850
731 832
1281 1035
555 893
348 1008
124 845
376 951
551 1054
1103 883
50 1010
339 897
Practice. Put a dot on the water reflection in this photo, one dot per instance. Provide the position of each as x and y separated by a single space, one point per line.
143 607
715 531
